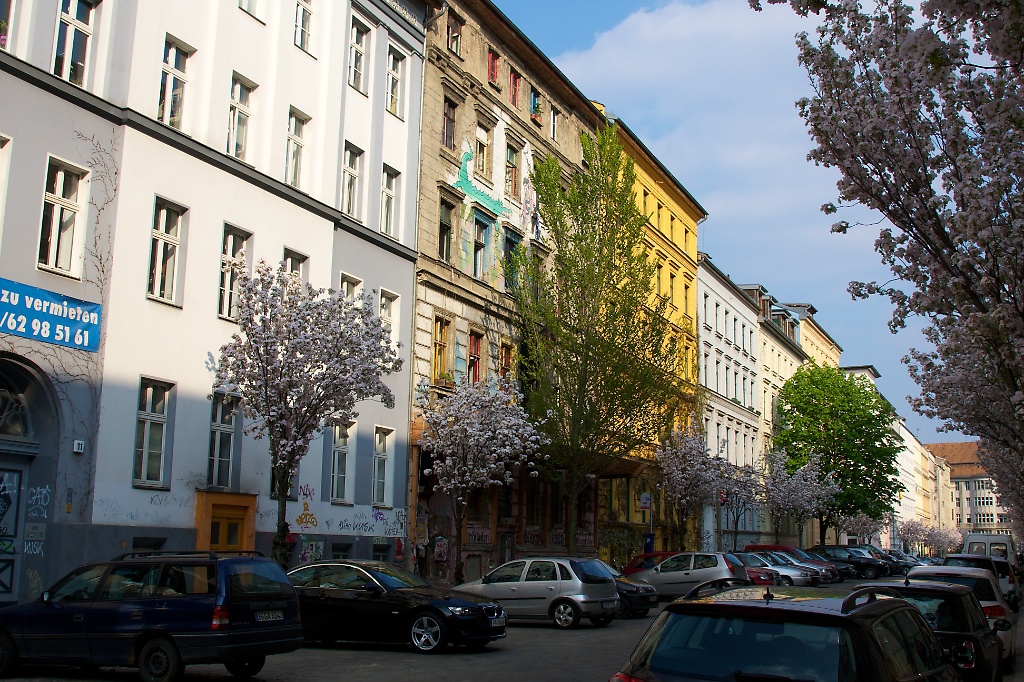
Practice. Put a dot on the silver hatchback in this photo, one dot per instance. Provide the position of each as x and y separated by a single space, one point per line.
680 573
563 589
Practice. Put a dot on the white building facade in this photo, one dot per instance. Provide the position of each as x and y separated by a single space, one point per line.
141 144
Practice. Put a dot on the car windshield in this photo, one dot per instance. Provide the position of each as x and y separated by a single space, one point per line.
611 569
783 558
711 647
752 560
981 587
815 555
857 551
800 553
393 576
969 562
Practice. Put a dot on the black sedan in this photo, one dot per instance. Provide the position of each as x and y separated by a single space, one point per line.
956 617
373 601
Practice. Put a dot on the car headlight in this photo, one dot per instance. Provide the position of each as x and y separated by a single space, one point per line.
628 588
805 574
460 610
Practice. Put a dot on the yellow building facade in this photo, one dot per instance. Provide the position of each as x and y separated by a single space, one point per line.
673 219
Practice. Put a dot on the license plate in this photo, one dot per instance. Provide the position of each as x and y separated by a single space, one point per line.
262 616
608 605
498 622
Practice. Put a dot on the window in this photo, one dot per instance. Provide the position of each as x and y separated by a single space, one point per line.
511 172
73 33
388 205
553 131
512 241
350 181
382 438
150 433
476 342
238 116
442 328
248 5
232 249
222 434
295 263
388 309
163 254
349 288
293 153
505 360
339 463
514 80
303 20
396 64
479 248
492 67
454 33
657 278
671 289
444 232
448 124
60 215
482 154
357 57
172 85
5 22
535 105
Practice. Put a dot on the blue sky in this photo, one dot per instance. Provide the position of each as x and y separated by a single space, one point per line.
711 89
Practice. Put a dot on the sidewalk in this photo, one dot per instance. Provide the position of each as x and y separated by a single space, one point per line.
1018 670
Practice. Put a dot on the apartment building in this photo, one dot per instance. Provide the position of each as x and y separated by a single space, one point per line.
975 500
141 146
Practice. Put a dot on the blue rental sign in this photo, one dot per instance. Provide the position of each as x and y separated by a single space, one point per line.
48 316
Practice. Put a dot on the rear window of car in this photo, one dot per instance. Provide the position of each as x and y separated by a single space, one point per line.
591 571
981 587
969 562
715 647
258 579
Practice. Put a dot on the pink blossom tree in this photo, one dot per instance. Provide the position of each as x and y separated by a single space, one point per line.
477 437
691 477
944 540
802 494
301 360
912 532
921 110
741 487
862 526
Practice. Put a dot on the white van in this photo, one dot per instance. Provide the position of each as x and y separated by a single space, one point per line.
991 544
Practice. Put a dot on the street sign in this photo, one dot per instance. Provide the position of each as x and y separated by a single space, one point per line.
645 502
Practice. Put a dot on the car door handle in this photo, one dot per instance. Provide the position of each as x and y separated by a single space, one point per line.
78 617
137 615
550 589
512 589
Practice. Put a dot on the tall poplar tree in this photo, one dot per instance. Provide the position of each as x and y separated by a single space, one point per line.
600 364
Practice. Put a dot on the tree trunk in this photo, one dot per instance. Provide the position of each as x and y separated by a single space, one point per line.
280 551
778 528
458 511
570 528
800 534
822 528
736 531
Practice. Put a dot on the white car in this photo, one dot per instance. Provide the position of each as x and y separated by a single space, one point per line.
986 588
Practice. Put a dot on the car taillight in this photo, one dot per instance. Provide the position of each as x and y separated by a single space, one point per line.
970 647
995 611
221 619
732 568
623 677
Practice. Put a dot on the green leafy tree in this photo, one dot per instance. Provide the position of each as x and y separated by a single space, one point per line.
844 419
599 364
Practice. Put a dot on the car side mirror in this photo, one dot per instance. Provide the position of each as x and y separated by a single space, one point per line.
961 656
657 569
371 586
47 597
1002 625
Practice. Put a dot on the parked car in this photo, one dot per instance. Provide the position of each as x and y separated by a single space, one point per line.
986 589
158 611
956 616
1008 582
828 570
785 558
563 589
905 561
681 572
892 565
1000 568
759 571
866 566
790 574
991 544
636 597
374 601
845 570
645 560
796 634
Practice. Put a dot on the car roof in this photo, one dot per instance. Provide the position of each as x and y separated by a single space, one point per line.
921 586
976 557
952 570
816 600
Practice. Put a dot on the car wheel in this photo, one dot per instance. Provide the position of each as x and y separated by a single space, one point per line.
8 654
565 614
786 580
427 633
159 661
601 621
246 667
870 573
623 610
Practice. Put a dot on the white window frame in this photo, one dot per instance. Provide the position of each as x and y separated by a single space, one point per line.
146 420
303 24
342 464
68 26
234 244
248 6
297 263
57 258
295 143
388 310
512 183
482 164
350 189
223 405
349 286
170 110
396 69
553 130
165 251
239 113
383 447
389 181
357 61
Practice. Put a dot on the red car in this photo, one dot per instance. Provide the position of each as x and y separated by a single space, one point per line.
645 560
828 570
758 570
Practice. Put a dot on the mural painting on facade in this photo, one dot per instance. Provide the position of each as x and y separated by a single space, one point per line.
310 552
